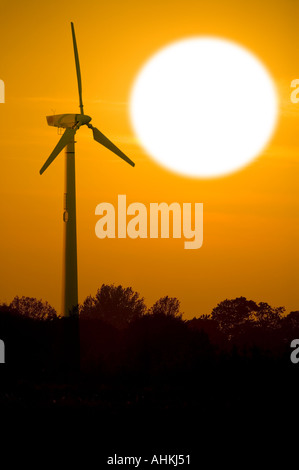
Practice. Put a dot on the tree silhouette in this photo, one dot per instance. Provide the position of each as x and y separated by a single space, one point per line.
290 326
169 306
134 359
115 305
236 314
267 316
210 327
33 308
292 320
231 314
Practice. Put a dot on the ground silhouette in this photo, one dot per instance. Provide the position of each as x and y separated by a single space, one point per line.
121 358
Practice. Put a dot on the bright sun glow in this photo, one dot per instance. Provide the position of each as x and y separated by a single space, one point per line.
203 107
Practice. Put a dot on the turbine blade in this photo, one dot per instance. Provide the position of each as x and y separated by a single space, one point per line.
99 137
65 139
77 68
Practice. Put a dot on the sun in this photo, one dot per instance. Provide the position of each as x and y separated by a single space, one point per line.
203 107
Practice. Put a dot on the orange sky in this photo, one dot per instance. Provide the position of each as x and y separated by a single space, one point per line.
250 218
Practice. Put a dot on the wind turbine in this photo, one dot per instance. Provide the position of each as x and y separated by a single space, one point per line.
71 123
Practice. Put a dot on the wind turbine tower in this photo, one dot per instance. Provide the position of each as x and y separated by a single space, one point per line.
71 123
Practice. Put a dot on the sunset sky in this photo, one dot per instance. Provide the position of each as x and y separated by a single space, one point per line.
250 245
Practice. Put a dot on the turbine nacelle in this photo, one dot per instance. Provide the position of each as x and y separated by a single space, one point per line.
68 120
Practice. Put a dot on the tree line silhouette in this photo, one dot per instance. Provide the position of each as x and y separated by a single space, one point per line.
118 354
